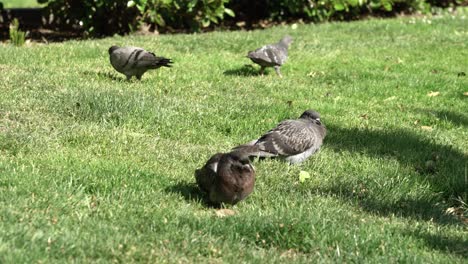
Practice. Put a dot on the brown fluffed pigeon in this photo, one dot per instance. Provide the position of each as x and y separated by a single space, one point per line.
227 177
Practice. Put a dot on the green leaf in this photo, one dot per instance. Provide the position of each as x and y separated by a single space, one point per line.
191 5
131 3
206 22
339 6
229 12
353 2
303 175
387 6
159 20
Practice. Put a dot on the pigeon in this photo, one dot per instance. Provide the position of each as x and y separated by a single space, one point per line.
227 177
273 55
293 140
134 61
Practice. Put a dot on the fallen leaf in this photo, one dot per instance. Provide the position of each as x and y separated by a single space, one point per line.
399 60
428 128
316 73
241 24
303 175
465 93
432 94
364 116
225 212
416 122
294 26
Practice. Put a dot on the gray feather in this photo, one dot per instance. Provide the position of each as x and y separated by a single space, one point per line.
294 140
134 61
273 55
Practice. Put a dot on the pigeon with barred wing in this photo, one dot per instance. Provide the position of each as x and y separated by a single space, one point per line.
293 140
134 61
273 55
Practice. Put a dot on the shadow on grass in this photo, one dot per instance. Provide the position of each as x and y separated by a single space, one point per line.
417 209
246 70
458 119
452 245
191 193
446 176
103 75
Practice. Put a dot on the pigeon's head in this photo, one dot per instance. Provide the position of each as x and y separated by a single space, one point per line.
311 115
286 40
240 155
111 49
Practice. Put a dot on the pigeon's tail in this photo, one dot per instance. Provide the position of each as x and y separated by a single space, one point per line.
161 61
251 55
251 150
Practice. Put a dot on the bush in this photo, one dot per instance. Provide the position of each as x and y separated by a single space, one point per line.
107 17
100 17
194 14
325 10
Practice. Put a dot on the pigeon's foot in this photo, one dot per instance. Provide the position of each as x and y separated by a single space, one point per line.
262 70
277 70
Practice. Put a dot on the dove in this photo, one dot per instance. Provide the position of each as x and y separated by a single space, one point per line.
293 140
227 177
134 61
273 55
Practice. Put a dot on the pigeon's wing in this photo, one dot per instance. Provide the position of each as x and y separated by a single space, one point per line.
145 59
280 54
124 58
270 54
148 60
290 137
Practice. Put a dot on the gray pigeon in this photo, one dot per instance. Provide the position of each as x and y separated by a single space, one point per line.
134 61
227 177
273 55
294 140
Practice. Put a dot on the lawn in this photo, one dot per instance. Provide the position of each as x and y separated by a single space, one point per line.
20 3
95 168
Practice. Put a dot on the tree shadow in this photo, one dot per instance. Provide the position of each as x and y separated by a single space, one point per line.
417 209
103 75
246 70
458 119
446 175
191 193
451 245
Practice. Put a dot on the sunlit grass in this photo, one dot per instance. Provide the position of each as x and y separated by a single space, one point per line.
95 168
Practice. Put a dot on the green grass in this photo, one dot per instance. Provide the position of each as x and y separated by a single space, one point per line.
20 3
95 168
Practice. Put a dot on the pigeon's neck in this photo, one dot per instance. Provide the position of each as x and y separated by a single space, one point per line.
282 45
